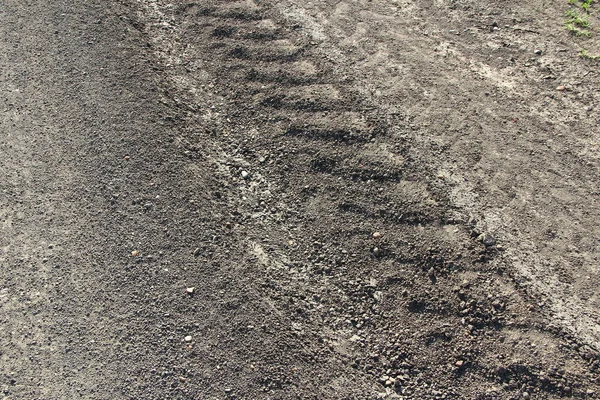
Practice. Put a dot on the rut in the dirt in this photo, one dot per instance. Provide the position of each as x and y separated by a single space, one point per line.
149 147
415 307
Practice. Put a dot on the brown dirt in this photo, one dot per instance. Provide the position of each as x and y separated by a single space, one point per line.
371 199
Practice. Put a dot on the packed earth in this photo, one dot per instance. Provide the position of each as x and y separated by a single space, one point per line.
316 199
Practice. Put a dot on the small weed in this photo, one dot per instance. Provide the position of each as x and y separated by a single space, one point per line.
585 4
576 31
585 54
577 19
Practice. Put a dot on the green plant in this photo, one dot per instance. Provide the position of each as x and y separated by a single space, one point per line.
576 31
577 19
585 4
585 54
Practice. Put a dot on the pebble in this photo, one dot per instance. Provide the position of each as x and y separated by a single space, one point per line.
537 51
376 235
245 174
459 363
561 88
487 239
135 253
525 395
188 338
197 252
376 251
190 290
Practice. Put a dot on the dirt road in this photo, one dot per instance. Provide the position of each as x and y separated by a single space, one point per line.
294 200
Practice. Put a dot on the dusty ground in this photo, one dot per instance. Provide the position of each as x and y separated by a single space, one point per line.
370 199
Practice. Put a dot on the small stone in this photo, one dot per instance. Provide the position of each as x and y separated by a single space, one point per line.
525 395
190 290
188 338
135 253
589 392
245 174
376 235
487 239
377 251
197 252
431 272
537 51
561 88
459 363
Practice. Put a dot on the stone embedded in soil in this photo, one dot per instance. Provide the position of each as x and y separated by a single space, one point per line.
188 338
190 290
197 252
487 239
245 174
376 235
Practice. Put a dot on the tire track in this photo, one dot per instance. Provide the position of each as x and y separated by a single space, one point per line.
329 173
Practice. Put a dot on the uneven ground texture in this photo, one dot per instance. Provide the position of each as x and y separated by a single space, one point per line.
370 199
